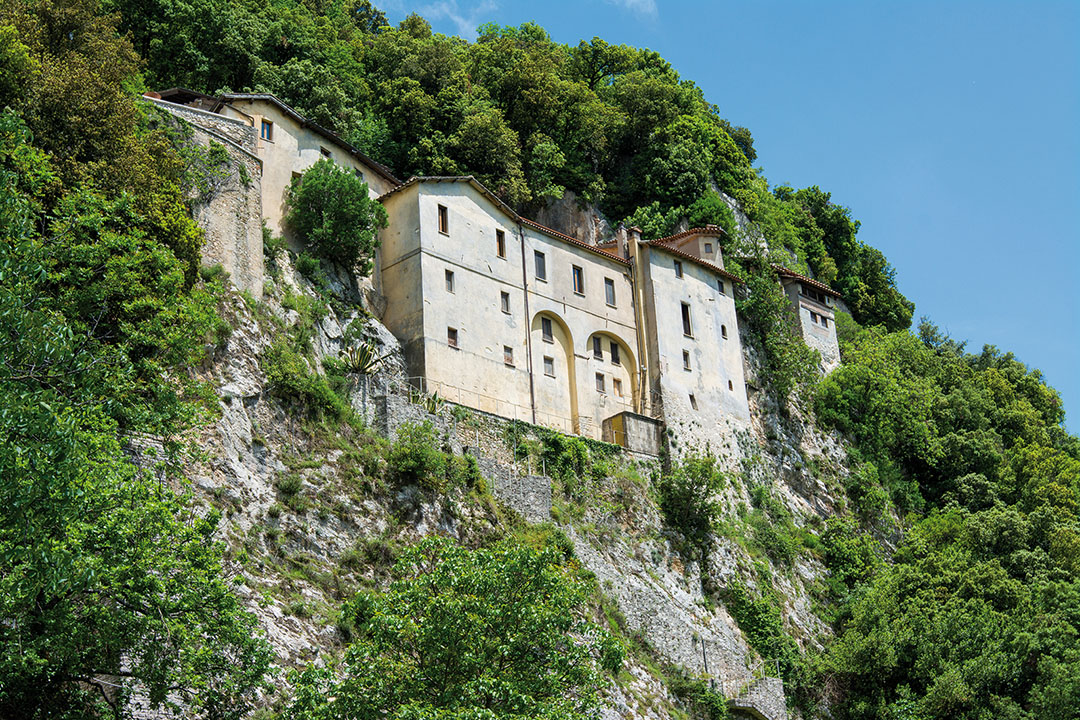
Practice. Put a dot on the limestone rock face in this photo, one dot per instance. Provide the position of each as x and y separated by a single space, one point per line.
572 216
302 508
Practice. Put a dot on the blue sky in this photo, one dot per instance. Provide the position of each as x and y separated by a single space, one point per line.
951 130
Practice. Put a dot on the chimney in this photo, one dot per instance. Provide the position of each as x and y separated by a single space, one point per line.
633 237
620 240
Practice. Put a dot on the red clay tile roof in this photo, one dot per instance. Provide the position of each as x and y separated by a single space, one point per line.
784 272
662 244
572 240
707 230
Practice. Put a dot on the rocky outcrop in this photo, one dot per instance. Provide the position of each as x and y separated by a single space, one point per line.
574 217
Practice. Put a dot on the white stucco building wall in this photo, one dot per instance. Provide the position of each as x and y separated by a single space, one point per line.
813 304
485 329
696 372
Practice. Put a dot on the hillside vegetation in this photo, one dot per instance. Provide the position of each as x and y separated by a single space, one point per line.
953 584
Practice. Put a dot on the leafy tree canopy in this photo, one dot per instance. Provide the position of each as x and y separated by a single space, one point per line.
485 634
330 208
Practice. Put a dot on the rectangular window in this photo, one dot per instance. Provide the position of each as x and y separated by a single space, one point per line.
508 355
500 243
824 321
600 383
541 265
579 280
267 131
708 248
678 269
687 328
358 173
723 331
616 386
545 330
720 287
693 401
449 281
597 348
444 220
504 302
325 152
614 354
813 317
451 337
609 291
549 366
685 359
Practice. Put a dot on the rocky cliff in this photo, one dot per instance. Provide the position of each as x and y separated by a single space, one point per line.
309 511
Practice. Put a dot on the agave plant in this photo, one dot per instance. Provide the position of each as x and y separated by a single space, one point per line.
362 359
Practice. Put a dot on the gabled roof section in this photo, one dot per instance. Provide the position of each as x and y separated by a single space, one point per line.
708 230
319 129
816 284
494 199
662 244
476 185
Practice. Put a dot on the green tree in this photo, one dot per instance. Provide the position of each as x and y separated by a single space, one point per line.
484 634
330 209
108 577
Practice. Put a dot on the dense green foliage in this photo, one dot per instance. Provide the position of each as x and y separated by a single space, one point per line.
108 570
978 614
330 209
105 571
476 634
527 116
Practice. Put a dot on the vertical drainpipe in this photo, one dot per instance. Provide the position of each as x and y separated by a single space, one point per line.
644 360
638 319
528 322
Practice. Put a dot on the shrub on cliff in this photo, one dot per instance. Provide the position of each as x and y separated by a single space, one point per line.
330 209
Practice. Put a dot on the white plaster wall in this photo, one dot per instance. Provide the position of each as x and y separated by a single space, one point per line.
814 335
714 360
585 315
398 277
474 374
293 150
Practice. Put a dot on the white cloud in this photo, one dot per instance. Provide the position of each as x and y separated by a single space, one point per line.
638 7
466 19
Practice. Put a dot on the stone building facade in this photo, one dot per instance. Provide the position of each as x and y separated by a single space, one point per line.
499 313
813 304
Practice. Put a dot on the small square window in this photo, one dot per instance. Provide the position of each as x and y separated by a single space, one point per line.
508 355
545 330
444 220
597 348
504 302
678 269
450 281
500 243
267 131
325 152
541 265
685 359
723 331
615 353
609 291
600 383
708 248
549 366
687 328
720 287
616 386
693 401
579 280
451 337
